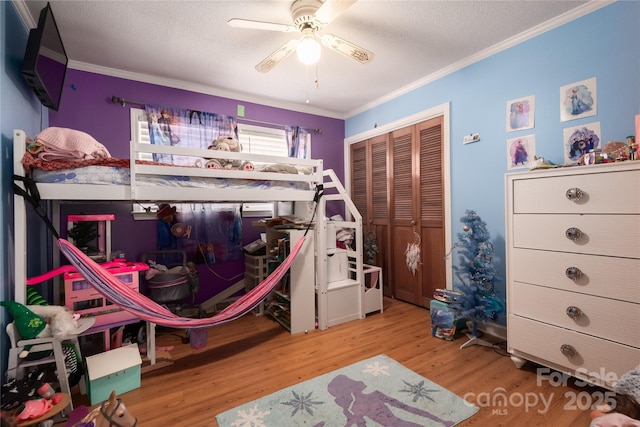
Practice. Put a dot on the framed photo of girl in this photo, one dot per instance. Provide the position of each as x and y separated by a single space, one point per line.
578 100
520 113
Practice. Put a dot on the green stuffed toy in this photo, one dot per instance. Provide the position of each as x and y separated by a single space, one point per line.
28 323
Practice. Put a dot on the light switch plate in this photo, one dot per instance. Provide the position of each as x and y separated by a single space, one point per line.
474 137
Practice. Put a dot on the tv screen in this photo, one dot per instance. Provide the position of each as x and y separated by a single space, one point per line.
45 60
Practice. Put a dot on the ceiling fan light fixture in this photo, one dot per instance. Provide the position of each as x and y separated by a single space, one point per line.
308 50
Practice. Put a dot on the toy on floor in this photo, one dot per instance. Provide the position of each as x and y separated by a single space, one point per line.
614 419
626 409
111 412
15 392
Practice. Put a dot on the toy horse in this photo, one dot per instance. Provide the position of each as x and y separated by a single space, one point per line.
112 413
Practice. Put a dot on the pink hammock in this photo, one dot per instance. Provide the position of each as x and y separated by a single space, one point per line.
117 292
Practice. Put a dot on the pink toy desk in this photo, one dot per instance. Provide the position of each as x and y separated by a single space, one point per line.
84 299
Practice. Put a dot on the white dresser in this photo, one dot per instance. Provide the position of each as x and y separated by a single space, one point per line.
573 269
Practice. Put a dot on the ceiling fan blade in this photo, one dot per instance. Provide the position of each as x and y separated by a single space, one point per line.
346 48
259 25
281 53
331 9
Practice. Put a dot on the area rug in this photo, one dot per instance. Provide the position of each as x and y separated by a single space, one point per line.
377 392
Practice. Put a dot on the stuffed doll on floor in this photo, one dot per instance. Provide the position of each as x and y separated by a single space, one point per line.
626 409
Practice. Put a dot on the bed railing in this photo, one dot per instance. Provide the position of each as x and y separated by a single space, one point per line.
265 168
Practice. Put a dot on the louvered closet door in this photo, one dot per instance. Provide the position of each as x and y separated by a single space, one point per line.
360 179
404 214
430 136
369 190
378 228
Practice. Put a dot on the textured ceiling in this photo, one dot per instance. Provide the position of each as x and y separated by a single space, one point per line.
189 45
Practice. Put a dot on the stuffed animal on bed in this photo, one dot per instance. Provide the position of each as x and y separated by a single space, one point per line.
226 143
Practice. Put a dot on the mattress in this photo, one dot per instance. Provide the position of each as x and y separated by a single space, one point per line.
121 176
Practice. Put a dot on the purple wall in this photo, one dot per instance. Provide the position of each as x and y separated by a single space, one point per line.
86 105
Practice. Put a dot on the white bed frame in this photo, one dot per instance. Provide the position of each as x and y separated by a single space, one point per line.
138 191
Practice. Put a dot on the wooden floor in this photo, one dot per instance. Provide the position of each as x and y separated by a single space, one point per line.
255 356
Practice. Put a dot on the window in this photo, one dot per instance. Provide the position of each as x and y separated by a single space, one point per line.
254 139
262 140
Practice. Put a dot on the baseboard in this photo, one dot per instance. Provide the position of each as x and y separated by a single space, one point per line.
494 329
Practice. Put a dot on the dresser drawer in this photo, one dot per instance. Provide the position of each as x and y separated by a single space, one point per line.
613 235
603 192
604 276
541 342
606 318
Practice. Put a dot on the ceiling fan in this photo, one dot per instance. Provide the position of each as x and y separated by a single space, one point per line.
309 17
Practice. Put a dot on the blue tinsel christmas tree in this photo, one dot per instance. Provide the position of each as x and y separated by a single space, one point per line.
477 301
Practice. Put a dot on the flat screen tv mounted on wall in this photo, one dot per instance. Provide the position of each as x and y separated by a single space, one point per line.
45 60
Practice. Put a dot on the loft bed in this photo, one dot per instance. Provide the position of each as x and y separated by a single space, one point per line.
133 180
138 181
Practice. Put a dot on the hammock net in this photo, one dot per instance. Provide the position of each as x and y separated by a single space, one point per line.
141 306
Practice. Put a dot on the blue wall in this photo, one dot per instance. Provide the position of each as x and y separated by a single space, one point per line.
19 109
604 44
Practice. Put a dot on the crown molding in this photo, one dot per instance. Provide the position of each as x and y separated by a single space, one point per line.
207 90
558 21
25 15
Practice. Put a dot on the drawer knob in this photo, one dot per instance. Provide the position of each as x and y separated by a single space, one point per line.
568 350
574 194
574 312
573 233
573 273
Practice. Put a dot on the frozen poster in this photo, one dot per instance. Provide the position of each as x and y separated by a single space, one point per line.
520 113
579 140
578 100
520 151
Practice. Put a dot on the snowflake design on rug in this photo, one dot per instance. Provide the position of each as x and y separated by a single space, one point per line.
376 369
302 402
253 418
417 390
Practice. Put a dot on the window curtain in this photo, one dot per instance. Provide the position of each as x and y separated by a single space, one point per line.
208 233
298 141
186 128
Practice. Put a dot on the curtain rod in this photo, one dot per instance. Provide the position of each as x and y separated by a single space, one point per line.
123 102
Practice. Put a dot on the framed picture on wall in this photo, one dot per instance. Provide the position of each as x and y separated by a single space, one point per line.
520 151
578 100
520 113
579 140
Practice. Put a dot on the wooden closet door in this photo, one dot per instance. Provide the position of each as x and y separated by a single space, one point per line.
370 194
406 285
417 210
360 181
432 231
